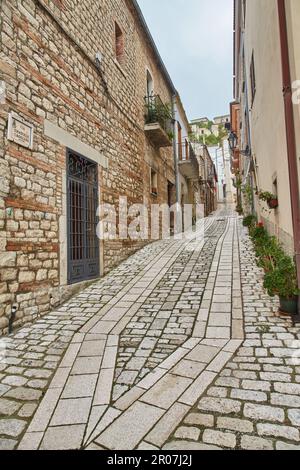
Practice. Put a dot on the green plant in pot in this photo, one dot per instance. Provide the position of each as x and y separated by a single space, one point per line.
258 233
249 221
270 199
282 281
269 251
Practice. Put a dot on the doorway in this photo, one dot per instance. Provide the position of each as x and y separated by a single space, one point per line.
82 194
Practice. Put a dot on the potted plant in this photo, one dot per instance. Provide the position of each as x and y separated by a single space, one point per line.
270 199
282 281
258 232
269 251
249 221
273 203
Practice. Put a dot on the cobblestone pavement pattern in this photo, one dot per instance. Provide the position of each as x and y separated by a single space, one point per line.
177 348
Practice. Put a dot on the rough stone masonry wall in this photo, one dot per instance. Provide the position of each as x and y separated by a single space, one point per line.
47 62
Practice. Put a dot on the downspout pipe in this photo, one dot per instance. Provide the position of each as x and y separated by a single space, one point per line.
290 134
175 156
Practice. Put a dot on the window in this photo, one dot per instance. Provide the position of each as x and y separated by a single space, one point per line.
150 86
252 78
119 44
153 183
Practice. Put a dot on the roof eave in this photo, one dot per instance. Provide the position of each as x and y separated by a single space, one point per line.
153 45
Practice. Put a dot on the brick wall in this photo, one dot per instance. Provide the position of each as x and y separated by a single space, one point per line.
47 60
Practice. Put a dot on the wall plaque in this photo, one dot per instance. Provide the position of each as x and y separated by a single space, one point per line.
20 131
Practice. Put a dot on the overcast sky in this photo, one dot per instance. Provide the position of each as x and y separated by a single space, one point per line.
194 38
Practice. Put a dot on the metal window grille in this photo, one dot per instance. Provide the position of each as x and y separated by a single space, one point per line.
83 243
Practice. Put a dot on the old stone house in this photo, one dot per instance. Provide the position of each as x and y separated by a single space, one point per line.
77 80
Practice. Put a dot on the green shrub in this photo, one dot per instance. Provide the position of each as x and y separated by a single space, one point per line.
282 280
280 269
268 251
266 196
258 233
249 221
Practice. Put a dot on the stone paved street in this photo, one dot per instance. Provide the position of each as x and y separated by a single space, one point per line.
177 348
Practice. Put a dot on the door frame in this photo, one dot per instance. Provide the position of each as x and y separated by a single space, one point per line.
71 281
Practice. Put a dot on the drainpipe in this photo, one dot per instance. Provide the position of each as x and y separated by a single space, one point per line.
175 148
178 215
290 134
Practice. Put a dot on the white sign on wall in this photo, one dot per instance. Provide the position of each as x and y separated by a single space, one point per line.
20 131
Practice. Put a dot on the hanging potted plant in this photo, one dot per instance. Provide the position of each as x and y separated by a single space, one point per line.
269 198
273 203
282 281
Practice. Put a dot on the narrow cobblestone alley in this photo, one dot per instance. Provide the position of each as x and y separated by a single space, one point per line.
177 348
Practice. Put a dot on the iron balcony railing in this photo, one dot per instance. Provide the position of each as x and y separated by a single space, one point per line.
186 151
158 112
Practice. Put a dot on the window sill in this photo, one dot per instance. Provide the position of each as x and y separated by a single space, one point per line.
120 68
154 194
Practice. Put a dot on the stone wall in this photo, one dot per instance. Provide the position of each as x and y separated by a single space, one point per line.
47 60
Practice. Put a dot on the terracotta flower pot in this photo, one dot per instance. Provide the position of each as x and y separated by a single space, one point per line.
273 203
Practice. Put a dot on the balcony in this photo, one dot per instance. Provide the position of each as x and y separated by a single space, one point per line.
158 122
188 163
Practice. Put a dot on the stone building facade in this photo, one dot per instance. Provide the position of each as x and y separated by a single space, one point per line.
73 81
